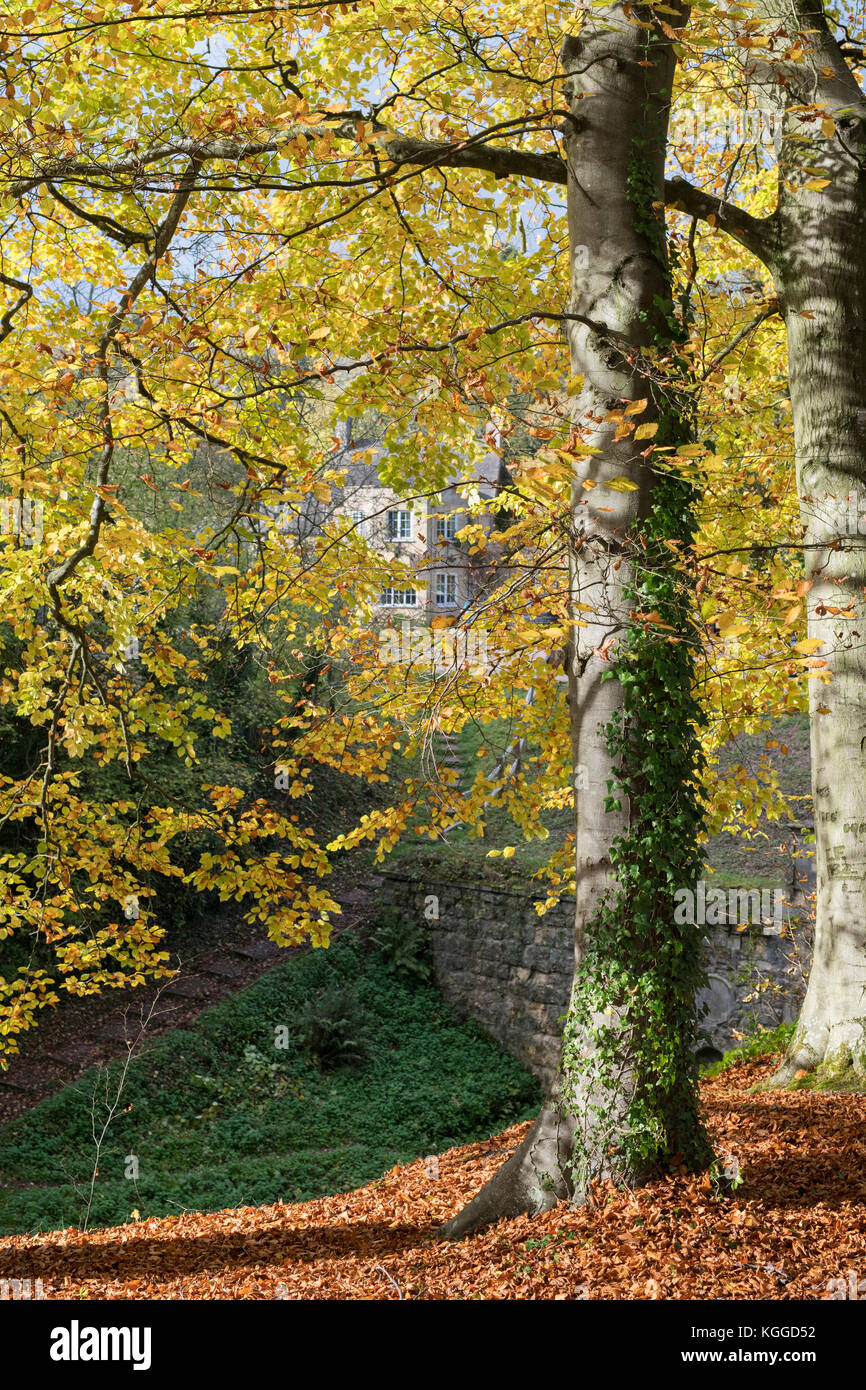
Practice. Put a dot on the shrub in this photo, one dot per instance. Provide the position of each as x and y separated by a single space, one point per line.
768 1042
333 1029
403 945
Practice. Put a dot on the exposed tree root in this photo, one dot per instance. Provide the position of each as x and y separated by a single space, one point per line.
823 1059
532 1180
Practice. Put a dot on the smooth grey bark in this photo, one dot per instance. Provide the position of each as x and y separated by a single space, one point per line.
820 273
618 124
814 245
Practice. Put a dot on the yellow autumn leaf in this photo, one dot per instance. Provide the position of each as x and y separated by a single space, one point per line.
726 620
621 484
182 363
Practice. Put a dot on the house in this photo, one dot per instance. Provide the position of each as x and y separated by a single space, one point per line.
442 576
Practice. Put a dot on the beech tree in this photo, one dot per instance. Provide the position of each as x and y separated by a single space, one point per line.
225 192
259 222
223 242
803 69
625 1100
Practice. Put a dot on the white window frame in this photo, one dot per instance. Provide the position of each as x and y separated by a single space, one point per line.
445 527
398 524
392 597
359 521
446 583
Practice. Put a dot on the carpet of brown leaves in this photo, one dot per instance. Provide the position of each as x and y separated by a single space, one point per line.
797 1222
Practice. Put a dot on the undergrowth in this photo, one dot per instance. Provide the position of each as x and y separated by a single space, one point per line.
318 1078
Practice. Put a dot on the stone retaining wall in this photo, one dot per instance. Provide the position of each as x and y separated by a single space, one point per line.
499 963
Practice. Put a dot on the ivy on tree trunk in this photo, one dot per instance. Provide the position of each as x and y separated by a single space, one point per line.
625 1103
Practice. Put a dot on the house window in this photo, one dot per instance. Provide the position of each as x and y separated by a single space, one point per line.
359 521
399 526
446 590
445 528
398 598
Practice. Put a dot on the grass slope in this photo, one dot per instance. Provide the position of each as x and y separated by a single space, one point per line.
219 1116
752 859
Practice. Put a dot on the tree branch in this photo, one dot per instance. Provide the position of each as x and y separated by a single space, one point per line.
125 235
495 159
164 234
26 290
766 313
474 152
756 234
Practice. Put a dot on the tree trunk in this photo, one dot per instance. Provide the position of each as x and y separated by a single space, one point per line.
820 276
624 1103
813 245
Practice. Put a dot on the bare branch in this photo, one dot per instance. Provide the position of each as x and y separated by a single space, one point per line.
6 324
766 313
756 234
